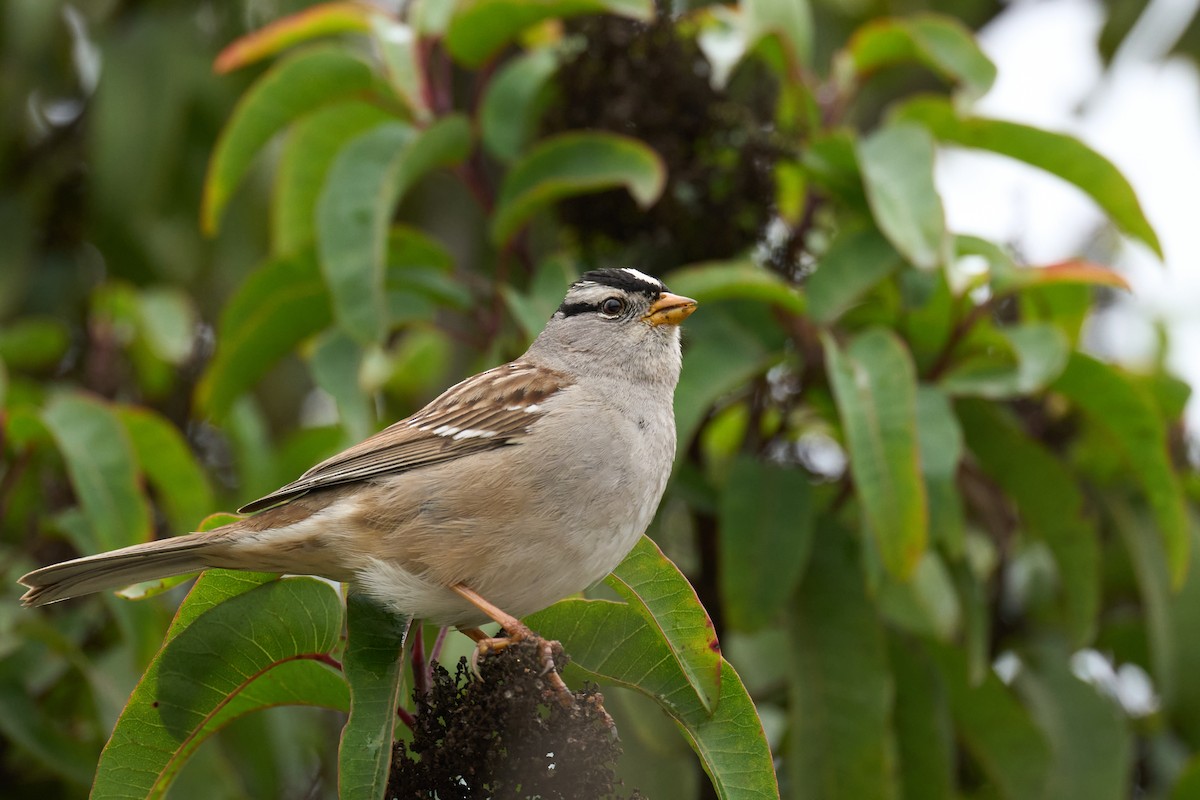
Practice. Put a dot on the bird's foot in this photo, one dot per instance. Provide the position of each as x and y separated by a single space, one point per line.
548 651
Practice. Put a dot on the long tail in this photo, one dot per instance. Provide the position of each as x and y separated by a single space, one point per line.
163 558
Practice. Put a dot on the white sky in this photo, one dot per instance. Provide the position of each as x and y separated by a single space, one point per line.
1143 114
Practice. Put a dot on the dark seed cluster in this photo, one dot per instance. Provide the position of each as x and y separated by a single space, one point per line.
504 737
652 83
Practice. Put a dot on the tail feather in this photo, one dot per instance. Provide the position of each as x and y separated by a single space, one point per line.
141 562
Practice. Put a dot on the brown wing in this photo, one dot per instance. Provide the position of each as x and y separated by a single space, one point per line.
490 410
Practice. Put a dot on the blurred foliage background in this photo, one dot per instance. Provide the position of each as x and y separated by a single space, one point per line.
945 543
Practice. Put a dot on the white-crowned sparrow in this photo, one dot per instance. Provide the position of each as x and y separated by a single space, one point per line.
513 489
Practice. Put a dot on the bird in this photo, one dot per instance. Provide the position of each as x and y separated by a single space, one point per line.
513 489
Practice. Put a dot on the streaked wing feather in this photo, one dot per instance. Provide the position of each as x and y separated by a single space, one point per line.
494 408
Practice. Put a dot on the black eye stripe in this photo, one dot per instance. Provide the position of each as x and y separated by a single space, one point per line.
571 309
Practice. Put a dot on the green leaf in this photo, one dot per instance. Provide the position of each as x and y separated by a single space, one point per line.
613 642
788 20
1123 410
1097 765
897 174
855 262
374 666
655 587
32 343
292 88
722 355
1057 153
335 364
1074 271
571 164
994 728
940 440
927 604
102 466
766 532
508 115
1050 504
31 731
874 384
167 319
354 211
943 44
924 729
841 690
480 28
279 305
715 281
205 663
1041 352
311 145
420 279
324 19
401 51
168 464
939 436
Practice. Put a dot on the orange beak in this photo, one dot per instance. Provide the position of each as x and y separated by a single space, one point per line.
670 309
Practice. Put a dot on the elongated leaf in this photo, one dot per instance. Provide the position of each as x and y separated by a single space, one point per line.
507 117
292 88
1075 271
897 173
102 466
943 44
38 734
311 146
926 604
1098 765
1051 508
924 728
571 164
325 19
940 440
279 305
727 280
169 465
656 588
766 519
374 666
1057 153
841 689
479 28
722 355
1148 559
1122 409
995 728
788 20
335 364
33 342
354 212
853 264
1040 350
202 666
874 384
940 437
403 56
612 641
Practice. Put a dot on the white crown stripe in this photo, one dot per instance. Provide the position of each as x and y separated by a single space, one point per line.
642 276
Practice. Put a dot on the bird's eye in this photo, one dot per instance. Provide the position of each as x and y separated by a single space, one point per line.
612 306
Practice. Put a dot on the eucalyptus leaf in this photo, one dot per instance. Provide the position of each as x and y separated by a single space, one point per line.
295 86
897 173
874 383
1057 153
570 164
